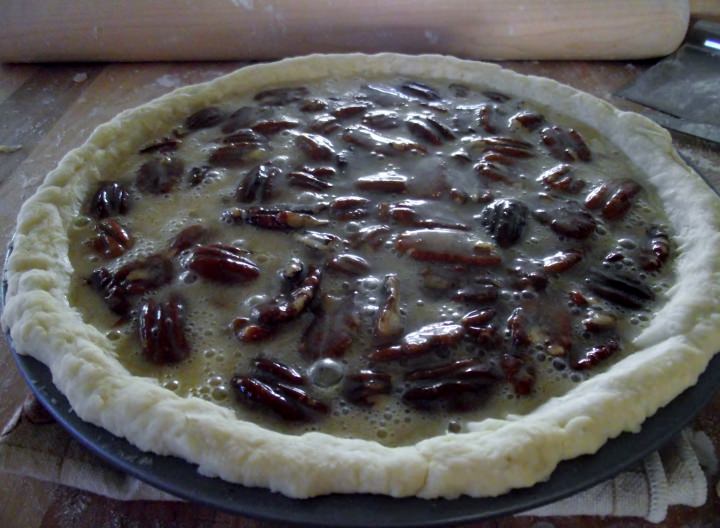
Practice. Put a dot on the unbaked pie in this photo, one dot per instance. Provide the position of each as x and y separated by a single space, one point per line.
381 274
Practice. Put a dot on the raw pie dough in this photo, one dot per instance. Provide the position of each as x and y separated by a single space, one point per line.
498 454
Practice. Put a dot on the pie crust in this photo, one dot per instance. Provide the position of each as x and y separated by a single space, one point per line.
497 454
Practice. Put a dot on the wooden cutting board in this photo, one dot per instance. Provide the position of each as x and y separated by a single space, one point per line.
138 30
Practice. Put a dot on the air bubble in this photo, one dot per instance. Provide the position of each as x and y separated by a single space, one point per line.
172 385
219 393
81 221
114 335
326 373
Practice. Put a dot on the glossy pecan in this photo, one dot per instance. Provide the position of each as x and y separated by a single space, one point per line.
505 221
187 238
289 403
332 330
349 264
565 145
417 213
205 118
307 181
389 324
112 239
561 261
619 288
421 90
559 178
364 387
161 327
110 199
159 175
281 96
163 145
421 342
446 245
279 219
258 182
568 219
279 371
223 263
457 395
596 355
657 249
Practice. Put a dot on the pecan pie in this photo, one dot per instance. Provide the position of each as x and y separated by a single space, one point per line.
379 274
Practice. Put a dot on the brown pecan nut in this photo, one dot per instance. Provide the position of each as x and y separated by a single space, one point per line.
111 199
112 239
364 387
162 330
223 263
159 175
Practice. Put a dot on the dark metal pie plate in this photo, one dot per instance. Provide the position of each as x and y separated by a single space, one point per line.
182 479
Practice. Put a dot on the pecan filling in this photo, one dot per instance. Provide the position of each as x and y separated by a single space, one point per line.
389 260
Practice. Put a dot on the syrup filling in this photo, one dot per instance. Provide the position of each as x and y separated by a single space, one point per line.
389 260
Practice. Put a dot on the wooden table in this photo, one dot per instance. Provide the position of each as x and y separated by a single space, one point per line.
49 110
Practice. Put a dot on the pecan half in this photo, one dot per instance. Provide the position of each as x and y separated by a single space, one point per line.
187 238
161 327
289 403
462 369
307 181
277 370
281 96
388 324
315 147
421 342
596 355
374 236
112 239
350 264
561 261
619 288
349 207
159 175
569 220
565 145
446 245
289 306
382 119
388 182
258 180
365 138
163 145
111 199
528 119
205 118
279 219
455 394
332 330
559 178
508 146
416 213
364 387
657 251
519 373
198 175
504 220
223 263
421 90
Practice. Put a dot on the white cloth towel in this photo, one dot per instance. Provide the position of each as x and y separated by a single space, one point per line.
32 444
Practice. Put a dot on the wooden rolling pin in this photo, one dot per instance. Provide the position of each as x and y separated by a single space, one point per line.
170 30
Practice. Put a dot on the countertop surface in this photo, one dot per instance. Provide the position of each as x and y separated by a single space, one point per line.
48 110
